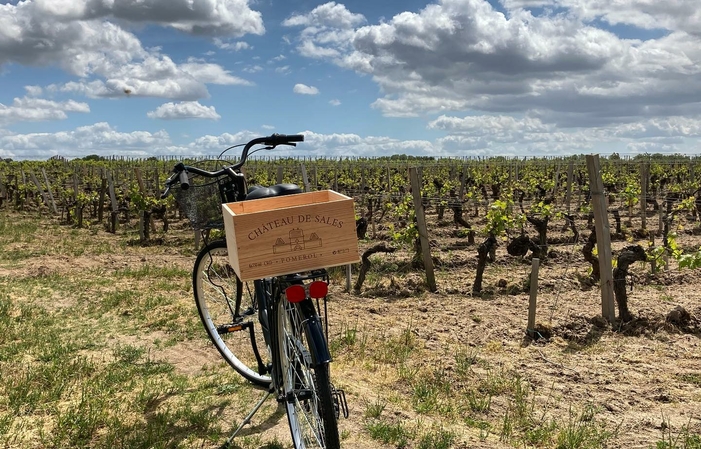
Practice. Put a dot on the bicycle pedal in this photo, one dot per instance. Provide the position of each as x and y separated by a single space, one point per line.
298 395
340 403
234 327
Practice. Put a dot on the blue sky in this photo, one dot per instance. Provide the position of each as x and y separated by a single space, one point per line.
364 78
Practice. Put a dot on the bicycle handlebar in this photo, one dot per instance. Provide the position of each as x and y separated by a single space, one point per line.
181 170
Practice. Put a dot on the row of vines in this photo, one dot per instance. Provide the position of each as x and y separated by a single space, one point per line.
654 201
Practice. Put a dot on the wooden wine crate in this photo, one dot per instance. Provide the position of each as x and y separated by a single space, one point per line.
290 234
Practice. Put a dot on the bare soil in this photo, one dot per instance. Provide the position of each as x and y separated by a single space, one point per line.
643 377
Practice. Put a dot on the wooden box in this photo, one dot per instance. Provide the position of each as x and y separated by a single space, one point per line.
290 234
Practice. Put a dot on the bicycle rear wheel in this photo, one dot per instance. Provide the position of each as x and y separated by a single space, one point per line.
229 312
306 387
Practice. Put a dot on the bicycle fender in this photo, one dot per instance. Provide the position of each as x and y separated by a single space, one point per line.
315 334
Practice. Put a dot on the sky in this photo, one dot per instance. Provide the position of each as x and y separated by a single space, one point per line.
363 78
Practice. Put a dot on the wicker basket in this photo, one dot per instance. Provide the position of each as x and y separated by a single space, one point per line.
201 203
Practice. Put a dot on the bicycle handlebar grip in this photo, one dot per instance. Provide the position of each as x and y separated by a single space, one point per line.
184 181
280 139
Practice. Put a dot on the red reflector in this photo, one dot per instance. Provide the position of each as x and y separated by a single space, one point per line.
318 289
295 293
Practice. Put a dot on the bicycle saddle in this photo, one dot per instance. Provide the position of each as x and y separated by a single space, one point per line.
258 192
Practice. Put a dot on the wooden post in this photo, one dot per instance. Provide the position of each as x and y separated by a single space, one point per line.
556 183
603 236
421 226
142 189
3 190
362 179
113 201
75 187
389 182
349 268
463 180
305 178
48 189
103 191
535 265
279 174
644 171
570 178
34 179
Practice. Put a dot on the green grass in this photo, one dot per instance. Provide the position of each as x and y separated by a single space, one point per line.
682 439
395 434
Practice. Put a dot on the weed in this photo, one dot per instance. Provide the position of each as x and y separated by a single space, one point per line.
390 433
681 440
436 439
375 409
583 431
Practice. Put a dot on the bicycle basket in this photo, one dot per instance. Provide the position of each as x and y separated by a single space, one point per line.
201 203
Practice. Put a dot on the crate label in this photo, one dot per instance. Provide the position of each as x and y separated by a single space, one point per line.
290 244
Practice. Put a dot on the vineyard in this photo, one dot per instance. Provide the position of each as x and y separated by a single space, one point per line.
430 333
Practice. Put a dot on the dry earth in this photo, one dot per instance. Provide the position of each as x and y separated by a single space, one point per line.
643 378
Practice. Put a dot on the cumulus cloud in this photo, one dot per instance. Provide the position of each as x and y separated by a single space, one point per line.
208 17
330 14
681 15
335 102
110 61
232 46
499 136
39 109
563 68
303 89
184 110
284 70
34 91
99 138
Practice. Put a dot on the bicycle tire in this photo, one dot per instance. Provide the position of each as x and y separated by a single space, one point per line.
305 385
216 288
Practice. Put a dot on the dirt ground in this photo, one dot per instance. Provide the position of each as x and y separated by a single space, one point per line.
643 377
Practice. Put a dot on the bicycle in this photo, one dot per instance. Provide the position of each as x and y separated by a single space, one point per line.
270 330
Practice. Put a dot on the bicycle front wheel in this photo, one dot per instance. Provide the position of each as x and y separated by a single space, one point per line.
229 313
306 387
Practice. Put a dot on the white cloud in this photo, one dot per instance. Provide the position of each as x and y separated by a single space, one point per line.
488 124
283 70
561 68
208 17
509 136
100 138
184 110
34 91
335 102
329 14
253 69
303 89
233 46
109 60
212 74
682 15
38 109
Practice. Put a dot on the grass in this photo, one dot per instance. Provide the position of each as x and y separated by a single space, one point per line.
77 366
83 362
682 439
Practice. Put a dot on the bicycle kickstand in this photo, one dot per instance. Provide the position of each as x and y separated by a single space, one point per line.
247 420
